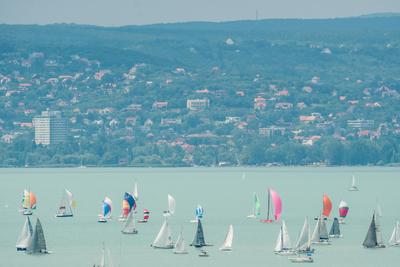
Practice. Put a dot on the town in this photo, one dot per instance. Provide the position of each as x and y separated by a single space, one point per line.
273 98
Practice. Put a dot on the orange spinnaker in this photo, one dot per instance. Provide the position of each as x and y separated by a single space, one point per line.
327 206
32 199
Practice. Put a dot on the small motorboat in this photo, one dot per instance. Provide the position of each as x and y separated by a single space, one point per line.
203 253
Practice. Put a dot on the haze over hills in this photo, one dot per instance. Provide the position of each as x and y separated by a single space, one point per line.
289 91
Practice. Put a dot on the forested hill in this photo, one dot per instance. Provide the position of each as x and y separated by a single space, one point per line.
323 91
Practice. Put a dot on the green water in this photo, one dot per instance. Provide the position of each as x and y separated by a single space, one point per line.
226 198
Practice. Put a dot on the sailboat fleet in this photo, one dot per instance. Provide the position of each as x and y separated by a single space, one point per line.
32 240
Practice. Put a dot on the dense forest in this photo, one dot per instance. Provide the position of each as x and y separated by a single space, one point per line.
274 92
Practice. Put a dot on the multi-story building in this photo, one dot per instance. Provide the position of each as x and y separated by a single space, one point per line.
50 128
197 104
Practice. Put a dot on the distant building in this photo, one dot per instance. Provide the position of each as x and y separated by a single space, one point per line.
271 131
197 104
360 124
50 128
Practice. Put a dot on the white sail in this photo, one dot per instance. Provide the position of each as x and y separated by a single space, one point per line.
65 207
164 239
395 237
130 225
283 240
135 192
103 259
303 241
227 245
180 246
25 236
378 231
171 204
315 235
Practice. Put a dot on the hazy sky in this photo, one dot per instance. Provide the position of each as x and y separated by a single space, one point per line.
128 12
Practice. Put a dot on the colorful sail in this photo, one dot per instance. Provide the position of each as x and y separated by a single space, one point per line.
276 199
107 206
28 200
128 204
146 214
343 209
199 212
327 206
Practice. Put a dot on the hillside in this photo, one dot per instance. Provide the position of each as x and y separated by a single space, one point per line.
279 92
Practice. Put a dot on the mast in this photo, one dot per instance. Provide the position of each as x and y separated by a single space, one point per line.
269 203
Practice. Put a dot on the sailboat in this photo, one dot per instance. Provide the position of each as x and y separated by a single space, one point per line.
37 244
320 234
25 236
105 260
65 207
303 246
283 245
343 210
374 239
106 210
199 213
171 206
326 206
227 245
164 239
28 202
353 186
335 229
146 216
275 200
256 208
130 226
199 240
128 204
180 246
394 240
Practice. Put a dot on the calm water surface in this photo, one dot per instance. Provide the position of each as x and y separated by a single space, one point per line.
226 198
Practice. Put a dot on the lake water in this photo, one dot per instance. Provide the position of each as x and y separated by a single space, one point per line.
226 198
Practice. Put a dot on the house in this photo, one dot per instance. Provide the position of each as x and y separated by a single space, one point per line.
283 105
232 120
271 131
169 122
260 103
307 119
160 104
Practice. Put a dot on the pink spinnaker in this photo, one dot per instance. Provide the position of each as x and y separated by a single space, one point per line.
276 199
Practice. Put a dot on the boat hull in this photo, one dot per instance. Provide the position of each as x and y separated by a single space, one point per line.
323 243
129 232
267 221
142 221
285 252
302 260
64 215
181 252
